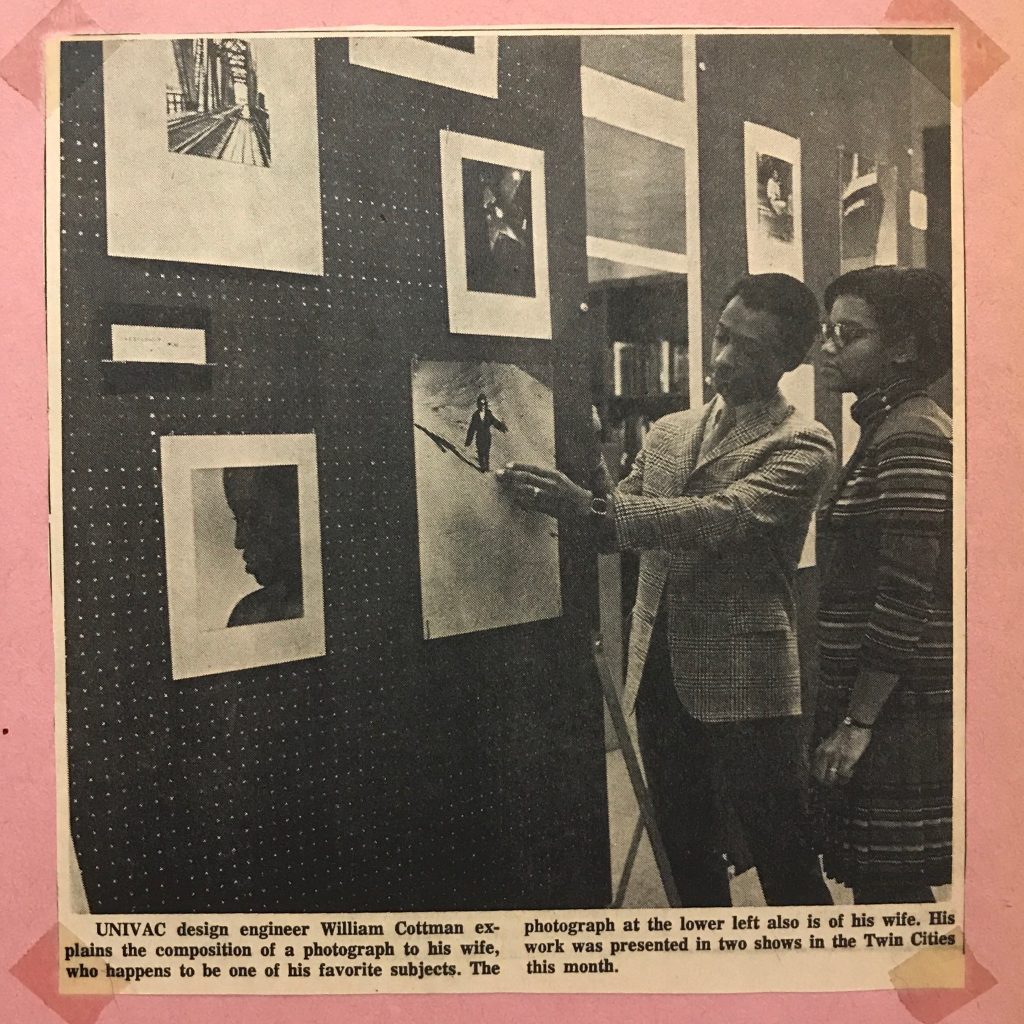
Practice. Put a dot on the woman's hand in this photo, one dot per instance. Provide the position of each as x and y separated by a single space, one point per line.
544 490
837 755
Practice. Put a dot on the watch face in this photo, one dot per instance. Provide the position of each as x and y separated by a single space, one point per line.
599 507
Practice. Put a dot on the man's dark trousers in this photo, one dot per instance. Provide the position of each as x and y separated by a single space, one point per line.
755 763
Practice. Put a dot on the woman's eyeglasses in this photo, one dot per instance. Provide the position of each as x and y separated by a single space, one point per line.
842 334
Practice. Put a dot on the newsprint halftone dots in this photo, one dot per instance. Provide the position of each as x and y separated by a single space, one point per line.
393 772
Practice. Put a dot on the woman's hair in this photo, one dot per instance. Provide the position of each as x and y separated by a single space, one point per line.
911 301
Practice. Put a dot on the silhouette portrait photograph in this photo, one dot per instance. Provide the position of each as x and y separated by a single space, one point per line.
254 546
243 551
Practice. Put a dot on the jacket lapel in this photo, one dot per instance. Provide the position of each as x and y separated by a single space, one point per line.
690 451
772 413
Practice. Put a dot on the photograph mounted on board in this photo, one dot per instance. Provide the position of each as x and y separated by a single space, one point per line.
468 63
485 563
214 104
774 218
495 230
248 108
242 536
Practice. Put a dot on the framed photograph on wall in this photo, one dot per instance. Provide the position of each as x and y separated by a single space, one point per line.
868 228
495 237
212 152
242 542
485 562
465 62
773 194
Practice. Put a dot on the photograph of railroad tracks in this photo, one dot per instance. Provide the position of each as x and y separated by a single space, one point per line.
214 106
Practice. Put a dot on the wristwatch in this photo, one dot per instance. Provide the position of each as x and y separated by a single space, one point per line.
852 723
598 506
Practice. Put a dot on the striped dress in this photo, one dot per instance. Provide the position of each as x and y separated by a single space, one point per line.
886 603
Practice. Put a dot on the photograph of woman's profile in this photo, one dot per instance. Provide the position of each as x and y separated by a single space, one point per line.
264 501
242 537
248 553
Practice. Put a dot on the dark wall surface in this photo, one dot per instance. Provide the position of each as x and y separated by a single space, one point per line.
394 772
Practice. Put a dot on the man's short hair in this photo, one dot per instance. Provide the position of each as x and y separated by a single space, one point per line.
906 301
788 299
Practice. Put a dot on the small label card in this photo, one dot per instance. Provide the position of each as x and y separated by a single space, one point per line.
134 343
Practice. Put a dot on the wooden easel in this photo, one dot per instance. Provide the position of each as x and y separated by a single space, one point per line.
646 820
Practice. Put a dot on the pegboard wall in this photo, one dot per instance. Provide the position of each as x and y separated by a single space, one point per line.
394 772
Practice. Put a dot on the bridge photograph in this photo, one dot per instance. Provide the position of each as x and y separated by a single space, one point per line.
214 107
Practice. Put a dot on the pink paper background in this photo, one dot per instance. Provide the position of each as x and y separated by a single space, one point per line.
993 158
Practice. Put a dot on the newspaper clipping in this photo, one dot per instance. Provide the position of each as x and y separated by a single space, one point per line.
507 501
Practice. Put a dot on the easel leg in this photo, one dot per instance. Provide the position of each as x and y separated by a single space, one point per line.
627 867
636 777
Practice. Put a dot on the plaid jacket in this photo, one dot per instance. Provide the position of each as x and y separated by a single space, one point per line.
720 536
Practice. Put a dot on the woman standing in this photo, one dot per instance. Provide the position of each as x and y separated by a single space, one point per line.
480 425
883 725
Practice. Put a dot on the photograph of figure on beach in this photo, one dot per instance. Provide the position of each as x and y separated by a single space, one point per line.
484 562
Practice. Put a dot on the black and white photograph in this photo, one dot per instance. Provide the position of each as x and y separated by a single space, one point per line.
243 552
212 152
870 223
773 201
214 104
485 563
775 196
248 543
540 509
465 63
495 234
499 229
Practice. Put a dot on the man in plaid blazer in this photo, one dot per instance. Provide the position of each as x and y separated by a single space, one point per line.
718 504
